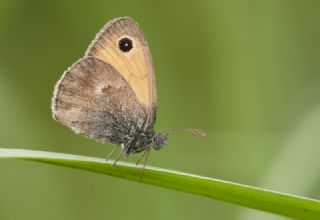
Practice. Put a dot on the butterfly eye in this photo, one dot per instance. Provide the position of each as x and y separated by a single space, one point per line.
125 44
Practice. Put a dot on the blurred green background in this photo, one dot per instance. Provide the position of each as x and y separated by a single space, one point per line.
246 72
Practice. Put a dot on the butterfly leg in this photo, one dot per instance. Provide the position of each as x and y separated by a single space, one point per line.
124 149
147 151
140 158
111 153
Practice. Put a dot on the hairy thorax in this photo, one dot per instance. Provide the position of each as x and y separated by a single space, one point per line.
139 142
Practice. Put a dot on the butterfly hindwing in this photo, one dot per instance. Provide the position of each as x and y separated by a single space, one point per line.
96 101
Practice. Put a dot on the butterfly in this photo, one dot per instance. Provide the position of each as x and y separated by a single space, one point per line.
109 95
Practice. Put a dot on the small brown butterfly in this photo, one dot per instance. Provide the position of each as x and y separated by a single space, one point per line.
110 94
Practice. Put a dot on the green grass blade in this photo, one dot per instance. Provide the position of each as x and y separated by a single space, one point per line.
257 198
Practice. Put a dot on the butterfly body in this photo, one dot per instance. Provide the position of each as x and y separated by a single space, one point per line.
109 95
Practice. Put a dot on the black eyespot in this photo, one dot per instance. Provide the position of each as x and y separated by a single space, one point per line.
125 44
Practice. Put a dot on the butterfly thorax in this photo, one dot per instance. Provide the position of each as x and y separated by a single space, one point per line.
144 140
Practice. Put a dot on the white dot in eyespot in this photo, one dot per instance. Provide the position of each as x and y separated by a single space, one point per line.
133 44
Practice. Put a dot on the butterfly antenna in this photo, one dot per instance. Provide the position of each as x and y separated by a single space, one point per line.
193 131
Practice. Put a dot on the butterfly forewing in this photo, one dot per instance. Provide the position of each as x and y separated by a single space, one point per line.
135 66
